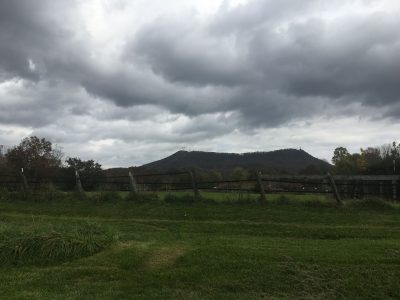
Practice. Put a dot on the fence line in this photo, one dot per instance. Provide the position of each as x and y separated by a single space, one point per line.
338 185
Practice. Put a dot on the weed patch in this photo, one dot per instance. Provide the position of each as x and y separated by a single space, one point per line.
174 198
371 203
142 197
52 247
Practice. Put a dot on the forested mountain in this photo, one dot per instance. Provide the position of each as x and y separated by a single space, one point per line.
286 160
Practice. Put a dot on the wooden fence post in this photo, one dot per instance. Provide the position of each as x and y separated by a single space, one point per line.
78 182
381 189
24 181
334 188
345 189
394 189
260 186
365 189
355 189
194 183
133 183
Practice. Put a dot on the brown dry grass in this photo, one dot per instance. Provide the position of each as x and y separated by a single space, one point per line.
165 257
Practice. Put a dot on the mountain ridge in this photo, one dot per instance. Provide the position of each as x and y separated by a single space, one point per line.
284 160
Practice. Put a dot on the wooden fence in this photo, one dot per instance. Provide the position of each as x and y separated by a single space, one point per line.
351 186
341 186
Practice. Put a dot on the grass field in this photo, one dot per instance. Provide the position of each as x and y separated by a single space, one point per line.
293 247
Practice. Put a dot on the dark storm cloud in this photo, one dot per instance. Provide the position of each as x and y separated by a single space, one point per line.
334 59
183 53
31 30
283 66
258 13
265 62
132 87
38 104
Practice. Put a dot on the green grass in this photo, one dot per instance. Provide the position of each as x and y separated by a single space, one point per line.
226 246
43 245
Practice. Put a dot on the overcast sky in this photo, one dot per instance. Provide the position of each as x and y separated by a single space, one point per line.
126 82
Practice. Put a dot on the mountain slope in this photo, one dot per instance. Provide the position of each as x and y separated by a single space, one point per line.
289 160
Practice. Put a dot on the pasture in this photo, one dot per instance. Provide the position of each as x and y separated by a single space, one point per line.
225 246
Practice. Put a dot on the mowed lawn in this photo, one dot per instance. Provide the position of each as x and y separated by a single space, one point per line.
280 250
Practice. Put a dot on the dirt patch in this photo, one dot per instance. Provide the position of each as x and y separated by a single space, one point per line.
164 257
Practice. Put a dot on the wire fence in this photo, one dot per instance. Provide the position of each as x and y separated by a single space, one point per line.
357 186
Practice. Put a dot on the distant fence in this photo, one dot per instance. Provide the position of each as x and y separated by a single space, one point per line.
348 186
341 186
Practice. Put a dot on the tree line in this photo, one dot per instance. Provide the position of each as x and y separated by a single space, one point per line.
383 160
39 159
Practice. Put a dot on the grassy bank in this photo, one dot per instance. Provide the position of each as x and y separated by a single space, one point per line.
289 248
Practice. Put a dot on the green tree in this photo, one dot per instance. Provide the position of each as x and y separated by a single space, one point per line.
2 156
215 175
36 155
90 171
346 163
395 151
84 167
239 173
372 160
339 155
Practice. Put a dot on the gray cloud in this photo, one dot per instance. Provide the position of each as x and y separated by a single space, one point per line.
259 13
275 62
37 31
182 52
258 65
333 59
260 49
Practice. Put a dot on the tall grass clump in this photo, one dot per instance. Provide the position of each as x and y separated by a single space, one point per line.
246 198
107 194
142 197
4 194
371 203
49 192
281 200
179 198
319 203
53 246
